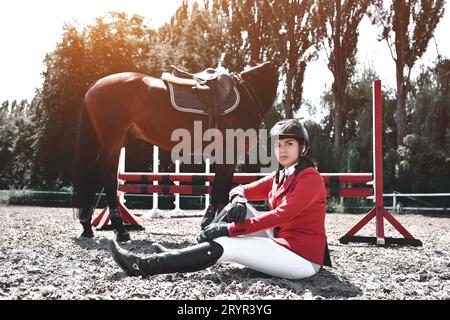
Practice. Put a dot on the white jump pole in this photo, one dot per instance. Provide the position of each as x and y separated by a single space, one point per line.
177 211
207 171
155 212
121 169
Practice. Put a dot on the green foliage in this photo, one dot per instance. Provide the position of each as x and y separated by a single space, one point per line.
280 31
431 100
194 38
424 161
296 46
17 137
357 133
407 27
357 138
336 24
421 166
252 27
320 148
116 43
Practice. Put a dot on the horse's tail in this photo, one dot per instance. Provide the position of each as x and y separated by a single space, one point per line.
86 167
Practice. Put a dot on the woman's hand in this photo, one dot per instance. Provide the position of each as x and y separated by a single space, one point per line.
238 209
212 231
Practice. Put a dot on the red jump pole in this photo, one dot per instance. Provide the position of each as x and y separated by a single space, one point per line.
379 212
378 160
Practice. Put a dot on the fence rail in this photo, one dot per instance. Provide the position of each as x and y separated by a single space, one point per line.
412 196
7 195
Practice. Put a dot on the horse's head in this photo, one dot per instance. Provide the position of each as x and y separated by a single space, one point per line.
263 80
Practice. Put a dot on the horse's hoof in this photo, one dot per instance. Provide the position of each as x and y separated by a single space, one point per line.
87 230
89 234
123 237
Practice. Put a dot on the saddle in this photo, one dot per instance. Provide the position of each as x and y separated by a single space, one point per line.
210 92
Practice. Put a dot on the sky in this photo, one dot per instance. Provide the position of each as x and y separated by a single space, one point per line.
371 54
29 29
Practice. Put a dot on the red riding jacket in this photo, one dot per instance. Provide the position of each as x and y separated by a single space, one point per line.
297 213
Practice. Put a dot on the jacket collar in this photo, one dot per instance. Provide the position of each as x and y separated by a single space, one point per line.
281 187
290 170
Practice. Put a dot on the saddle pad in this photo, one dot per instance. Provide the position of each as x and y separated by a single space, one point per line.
184 98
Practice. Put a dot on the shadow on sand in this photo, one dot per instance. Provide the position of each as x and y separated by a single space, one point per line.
324 285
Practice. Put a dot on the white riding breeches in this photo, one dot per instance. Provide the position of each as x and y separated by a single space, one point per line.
259 252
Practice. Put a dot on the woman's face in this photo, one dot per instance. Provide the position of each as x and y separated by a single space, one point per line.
287 151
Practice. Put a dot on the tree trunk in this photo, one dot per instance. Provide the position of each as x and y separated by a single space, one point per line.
400 25
288 99
401 112
338 86
337 141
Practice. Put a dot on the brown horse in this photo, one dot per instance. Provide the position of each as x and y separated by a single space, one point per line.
126 105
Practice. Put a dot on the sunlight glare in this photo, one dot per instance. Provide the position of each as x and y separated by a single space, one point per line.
30 29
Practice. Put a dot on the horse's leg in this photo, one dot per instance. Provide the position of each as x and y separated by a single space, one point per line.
85 217
220 190
110 159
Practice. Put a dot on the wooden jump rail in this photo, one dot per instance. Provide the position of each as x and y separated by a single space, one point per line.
159 183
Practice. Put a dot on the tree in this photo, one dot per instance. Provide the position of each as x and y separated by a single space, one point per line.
357 134
337 24
64 84
194 38
235 55
252 26
407 27
431 98
280 31
295 45
17 132
116 43
424 162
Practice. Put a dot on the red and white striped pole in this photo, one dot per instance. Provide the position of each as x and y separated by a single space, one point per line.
155 212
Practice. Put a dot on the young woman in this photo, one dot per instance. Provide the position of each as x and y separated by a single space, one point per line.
289 241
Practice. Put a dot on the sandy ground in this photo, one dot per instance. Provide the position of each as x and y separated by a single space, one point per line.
43 257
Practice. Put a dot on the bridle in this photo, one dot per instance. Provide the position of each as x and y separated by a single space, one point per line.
237 77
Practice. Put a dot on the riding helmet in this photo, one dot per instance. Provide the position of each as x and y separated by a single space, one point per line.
291 128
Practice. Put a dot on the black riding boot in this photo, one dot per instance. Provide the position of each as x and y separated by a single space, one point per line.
117 223
190 259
